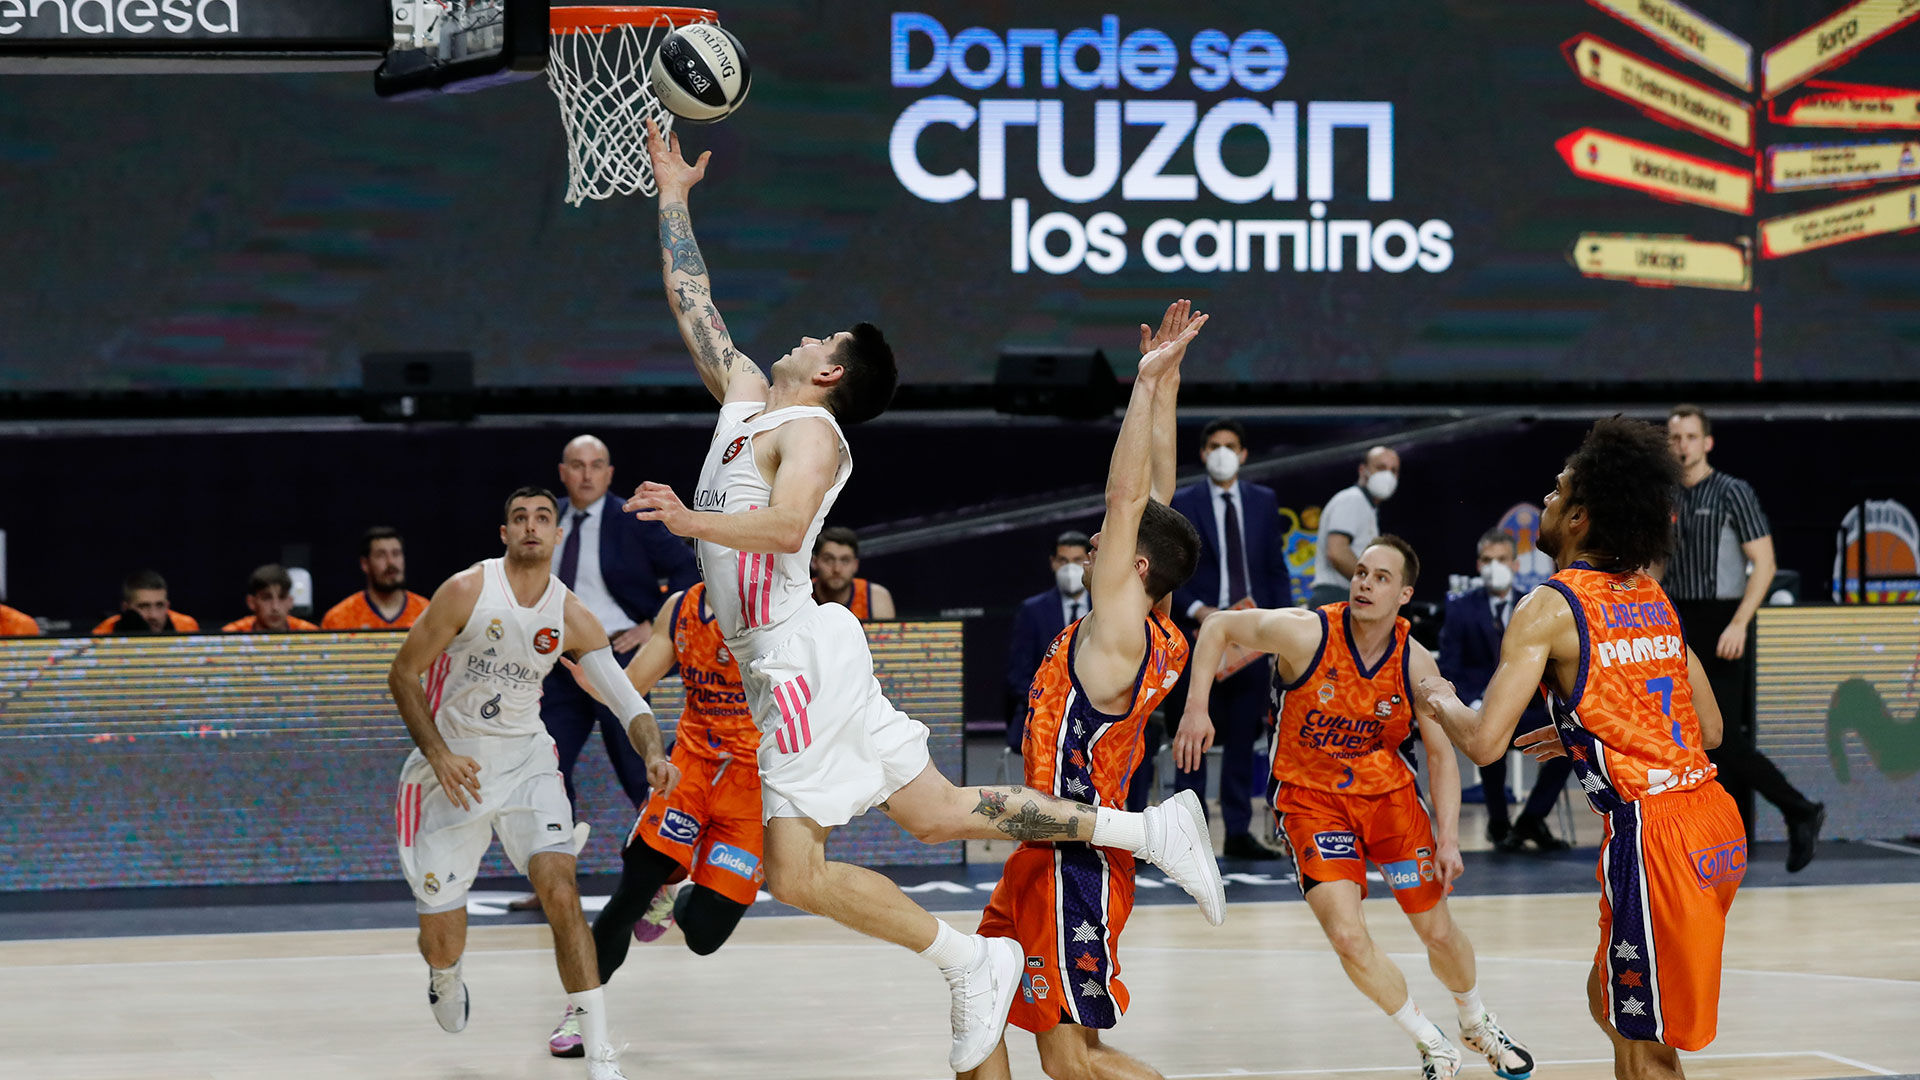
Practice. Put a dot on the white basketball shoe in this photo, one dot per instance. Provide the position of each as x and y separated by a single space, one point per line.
1439 1062
982 995
1509 1059
1178 843
447 993
604 1064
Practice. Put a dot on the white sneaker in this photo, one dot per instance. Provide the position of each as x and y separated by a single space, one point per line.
1439 1062
605 1064
982 995
447 993
1178 843
1509 1060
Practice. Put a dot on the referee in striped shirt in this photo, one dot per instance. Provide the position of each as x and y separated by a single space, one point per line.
1719 530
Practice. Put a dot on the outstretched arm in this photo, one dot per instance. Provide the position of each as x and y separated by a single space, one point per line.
1166 403
1117 627
727 372
1292 635
1542 628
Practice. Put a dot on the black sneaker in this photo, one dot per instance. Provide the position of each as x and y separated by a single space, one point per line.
1528 829
1802 833
1244 846
1497 831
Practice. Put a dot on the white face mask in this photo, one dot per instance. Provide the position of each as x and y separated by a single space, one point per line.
1498 577
1222 463
1382 485
1071 577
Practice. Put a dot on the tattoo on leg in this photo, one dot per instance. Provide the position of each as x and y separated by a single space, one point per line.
1031 823
993 803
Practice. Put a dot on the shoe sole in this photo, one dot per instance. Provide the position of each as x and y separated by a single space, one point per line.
1190 802
579 1051
1002 1001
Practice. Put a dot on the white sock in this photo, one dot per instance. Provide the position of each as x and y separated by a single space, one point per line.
451 974
1414 1022
1471 1009
590 1008
951 949
1119 829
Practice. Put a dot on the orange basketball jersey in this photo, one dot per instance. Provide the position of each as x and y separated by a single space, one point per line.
717 721
1073 750
357 612
1629 725
1343 727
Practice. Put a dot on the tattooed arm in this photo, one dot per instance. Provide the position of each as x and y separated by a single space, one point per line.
728 374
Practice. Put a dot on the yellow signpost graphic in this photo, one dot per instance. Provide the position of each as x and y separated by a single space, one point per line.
1849 105
1854 219
1663 260
1688 34
1662 94
1831 41
1818 165
1656 170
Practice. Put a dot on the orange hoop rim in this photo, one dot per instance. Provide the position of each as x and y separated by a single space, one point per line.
600 18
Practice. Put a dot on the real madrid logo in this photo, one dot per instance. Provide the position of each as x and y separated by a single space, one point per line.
432 885
1326 693
495 631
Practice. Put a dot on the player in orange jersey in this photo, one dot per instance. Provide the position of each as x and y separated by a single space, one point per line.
707 831
1344 790
1066 904
16 623
270 598
386 603
1631 706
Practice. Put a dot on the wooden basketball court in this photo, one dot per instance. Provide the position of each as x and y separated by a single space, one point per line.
1821 982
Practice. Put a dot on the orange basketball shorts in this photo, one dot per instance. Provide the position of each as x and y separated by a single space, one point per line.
709 823
1668 872
1066 905
1333 837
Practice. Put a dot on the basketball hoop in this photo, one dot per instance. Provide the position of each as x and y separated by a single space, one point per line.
597 67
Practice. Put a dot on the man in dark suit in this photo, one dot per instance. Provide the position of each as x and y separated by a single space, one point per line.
615 564
1040 619
1469 652
1243 562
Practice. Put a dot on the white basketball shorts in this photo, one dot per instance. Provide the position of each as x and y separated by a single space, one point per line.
522 798
831 745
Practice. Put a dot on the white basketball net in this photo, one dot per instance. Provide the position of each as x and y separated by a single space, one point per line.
606 98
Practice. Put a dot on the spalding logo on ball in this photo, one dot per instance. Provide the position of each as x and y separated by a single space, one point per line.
700 73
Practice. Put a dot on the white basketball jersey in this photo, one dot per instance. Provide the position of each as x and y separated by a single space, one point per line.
754 594
488 680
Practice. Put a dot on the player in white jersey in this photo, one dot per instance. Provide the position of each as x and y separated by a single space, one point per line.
467 683
831 744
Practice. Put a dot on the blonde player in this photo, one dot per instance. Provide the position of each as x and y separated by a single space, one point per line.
832 746
486 765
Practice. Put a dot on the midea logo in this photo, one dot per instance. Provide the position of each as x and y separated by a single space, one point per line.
119 18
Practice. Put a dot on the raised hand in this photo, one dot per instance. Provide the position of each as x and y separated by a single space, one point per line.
1164 359
671 173
1172 325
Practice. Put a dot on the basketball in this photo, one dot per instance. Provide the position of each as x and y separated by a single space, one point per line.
700 73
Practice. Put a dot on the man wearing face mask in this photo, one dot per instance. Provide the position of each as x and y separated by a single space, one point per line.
1349 522
1243 563
1469 652
1040 619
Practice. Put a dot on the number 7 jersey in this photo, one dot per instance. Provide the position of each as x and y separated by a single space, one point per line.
1629 725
